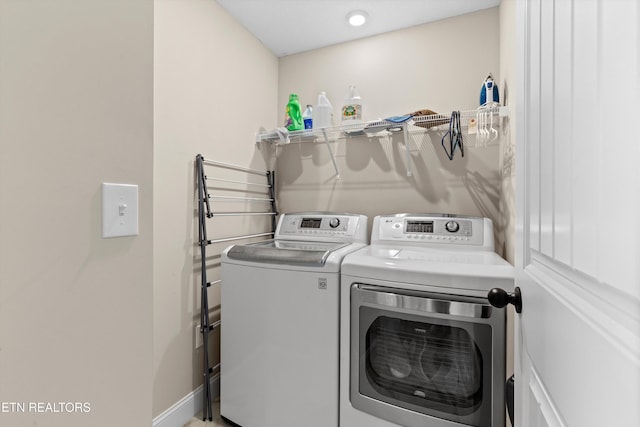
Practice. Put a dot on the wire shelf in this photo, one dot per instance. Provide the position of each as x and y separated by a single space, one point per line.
372 127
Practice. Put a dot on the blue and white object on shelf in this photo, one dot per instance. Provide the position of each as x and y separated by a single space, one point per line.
489 92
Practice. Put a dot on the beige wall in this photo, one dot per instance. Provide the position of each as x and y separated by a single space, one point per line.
75 111
439 66
215 85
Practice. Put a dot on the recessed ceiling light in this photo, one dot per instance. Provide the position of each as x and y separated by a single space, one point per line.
357 18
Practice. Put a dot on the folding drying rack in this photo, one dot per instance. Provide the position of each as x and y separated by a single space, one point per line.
206 201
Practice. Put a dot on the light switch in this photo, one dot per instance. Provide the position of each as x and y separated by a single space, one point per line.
119 210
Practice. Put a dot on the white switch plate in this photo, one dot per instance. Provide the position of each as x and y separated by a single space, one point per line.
119 210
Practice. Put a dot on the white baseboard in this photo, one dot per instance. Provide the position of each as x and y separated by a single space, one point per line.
187 407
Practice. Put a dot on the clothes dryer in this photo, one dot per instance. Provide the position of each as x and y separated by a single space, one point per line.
420 344
280 322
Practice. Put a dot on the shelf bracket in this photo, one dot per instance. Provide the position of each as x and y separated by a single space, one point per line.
405 130
333 160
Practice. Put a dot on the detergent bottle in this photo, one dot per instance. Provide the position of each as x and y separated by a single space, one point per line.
307 117
352 109
293 115
323 112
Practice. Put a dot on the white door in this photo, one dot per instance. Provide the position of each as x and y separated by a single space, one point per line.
578 221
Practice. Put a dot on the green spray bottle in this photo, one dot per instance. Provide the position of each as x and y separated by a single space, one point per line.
293 115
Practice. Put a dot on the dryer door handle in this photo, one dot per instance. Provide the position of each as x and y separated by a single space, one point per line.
500 298
419 301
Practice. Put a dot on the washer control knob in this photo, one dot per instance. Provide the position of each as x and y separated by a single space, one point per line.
452 226
334 222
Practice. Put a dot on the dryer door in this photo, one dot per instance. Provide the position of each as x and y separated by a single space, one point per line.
418 357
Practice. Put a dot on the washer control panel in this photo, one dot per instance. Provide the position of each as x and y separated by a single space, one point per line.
322 226
431 229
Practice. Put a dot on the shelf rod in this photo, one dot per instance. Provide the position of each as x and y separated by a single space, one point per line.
215 282
406 147
237 182
236 167
333 160
238 198
247 236
242 213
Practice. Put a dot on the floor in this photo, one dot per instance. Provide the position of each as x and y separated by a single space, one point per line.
217 422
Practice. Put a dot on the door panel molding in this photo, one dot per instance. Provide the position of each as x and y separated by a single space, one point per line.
544 407
613 315
585 369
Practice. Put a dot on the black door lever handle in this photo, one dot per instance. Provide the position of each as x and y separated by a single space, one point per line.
500 298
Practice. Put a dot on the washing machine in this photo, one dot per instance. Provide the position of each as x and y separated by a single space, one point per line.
419 343
280 322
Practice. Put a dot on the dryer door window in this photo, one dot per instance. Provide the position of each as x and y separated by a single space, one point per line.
425 364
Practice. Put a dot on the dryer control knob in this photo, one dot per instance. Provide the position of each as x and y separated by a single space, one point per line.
452 226
334 222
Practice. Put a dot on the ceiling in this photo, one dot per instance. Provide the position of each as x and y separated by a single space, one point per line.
293 26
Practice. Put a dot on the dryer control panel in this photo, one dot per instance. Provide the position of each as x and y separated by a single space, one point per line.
429 229
322 226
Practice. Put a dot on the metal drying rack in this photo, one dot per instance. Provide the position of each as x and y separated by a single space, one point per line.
206 211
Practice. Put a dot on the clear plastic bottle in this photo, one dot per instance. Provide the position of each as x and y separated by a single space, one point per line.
322 114
307 117
352 109
293 115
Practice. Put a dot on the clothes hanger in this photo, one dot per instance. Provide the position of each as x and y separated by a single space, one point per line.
455 136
